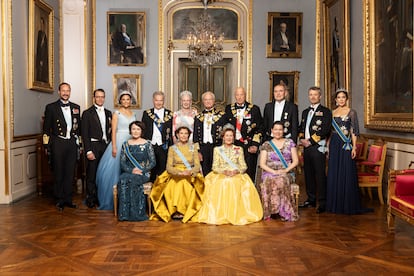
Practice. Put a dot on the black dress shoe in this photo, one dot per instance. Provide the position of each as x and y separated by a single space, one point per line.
71 205
321 209
307 204
90 204
60 207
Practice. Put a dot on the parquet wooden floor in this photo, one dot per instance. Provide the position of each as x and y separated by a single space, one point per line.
35 239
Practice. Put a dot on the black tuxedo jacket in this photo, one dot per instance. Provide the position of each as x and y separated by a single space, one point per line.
218 121
252 125
148 118
55 125
320 125
91 126
289 119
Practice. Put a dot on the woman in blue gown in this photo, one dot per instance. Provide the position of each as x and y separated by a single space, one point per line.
342 186
109 166
137 160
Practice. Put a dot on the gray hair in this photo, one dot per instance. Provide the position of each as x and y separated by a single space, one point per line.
208 93
158 93
186 93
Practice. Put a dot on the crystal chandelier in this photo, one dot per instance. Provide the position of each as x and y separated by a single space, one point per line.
205 45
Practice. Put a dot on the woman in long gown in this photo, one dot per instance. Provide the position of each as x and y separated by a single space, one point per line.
230 196
177 192
185 116
278 157
137 160
342 183
109 166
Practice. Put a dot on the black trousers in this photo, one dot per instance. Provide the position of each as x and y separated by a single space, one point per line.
250 158
206 151
315 174
64 153
98 149
161 162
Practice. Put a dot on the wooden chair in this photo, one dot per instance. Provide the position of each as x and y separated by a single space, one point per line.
361 149
400 197
371 170
147 192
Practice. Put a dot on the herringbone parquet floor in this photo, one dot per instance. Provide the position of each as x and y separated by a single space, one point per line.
35 239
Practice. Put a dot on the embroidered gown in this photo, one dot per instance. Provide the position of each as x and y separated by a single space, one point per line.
131 198
230 199
181 119
342 185
173 193
109 167
275 190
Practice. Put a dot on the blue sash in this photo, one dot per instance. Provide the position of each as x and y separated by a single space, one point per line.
227 159
282 159
182 157
346 140
132 158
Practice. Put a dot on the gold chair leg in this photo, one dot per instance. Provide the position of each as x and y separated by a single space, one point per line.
115 193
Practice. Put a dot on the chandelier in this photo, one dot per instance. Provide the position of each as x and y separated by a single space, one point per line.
205 45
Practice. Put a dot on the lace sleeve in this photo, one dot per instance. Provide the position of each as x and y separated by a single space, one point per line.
126 165
354 122
151 157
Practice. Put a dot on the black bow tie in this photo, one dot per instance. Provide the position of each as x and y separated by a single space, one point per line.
64 104
205 111
311 108
239 106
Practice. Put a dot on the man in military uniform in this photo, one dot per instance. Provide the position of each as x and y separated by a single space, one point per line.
158 123
207 128
247 120
61 140
315 129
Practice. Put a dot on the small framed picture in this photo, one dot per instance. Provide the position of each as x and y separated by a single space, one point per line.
126 38
130 83
41 46
284 35
290 79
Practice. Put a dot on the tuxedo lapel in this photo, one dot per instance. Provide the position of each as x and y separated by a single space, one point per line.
59 113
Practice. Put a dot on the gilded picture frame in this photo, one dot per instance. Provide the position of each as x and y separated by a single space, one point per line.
41 47
388 65
290 79
336 56
126 38
130 83
284 35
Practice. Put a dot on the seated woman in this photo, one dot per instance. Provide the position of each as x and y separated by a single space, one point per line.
278 157
230 196
177 192
137 160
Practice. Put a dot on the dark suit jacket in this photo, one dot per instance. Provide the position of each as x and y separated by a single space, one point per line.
148 118
219 119
252 125
278 41
320 125
289 119
91 127
55 125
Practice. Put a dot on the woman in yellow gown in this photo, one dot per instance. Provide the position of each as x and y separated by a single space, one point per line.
230 196
177 192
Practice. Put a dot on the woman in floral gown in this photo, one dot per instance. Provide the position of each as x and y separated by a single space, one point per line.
278 157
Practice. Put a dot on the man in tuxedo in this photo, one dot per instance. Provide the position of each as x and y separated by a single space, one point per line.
248 123
96 134
207 127
61 130
283 41
123 42
158 123
281 110
315 129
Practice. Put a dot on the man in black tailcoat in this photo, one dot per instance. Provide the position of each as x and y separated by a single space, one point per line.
61 139
315 129
158 123
96 134
281 110
207 127
248 123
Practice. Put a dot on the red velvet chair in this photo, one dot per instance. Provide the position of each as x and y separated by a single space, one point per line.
400 197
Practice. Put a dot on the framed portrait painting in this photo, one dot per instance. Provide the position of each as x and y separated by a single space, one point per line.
41 46
290 79
388 65
284 35
126 38
336 46
130 83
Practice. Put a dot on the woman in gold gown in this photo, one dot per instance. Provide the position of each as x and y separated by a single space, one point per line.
177 192
230 196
